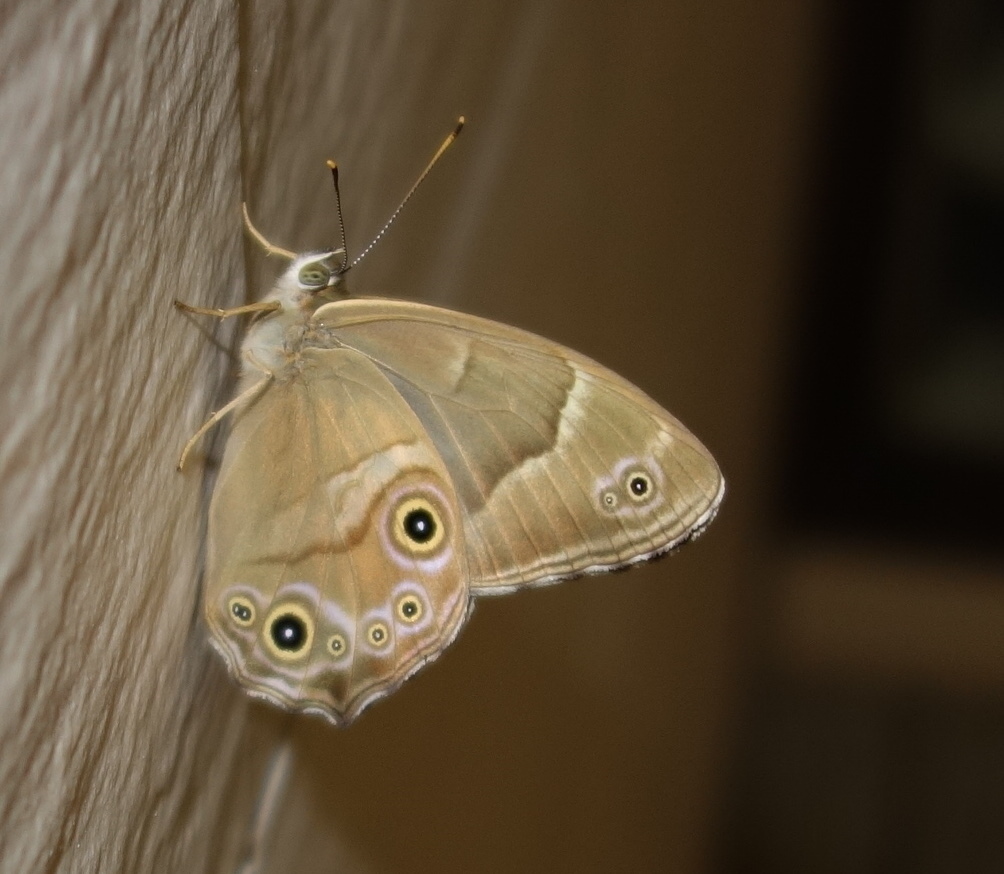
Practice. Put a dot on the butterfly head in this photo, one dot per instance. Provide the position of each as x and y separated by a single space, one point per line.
310 281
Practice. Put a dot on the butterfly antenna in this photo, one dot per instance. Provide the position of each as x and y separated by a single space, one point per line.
341 219
428 169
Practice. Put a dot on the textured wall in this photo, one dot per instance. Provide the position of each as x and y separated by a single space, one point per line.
623 187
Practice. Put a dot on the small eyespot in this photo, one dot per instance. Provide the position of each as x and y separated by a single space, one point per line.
639 486
316 274
409 609
242 611
609 500
377 635
337 645
289 632
418 527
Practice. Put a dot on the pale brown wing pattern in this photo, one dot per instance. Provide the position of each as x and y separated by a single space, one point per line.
560 466
335 566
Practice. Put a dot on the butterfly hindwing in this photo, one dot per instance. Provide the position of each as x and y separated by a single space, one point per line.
336 567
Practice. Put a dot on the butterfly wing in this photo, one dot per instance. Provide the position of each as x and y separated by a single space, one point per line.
560 466
335 565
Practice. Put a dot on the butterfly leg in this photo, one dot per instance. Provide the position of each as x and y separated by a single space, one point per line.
219 414
263 306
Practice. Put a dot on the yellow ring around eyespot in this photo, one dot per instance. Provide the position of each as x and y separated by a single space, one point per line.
378 628
289 609
629 481
337 645
403 602
401 536
236 603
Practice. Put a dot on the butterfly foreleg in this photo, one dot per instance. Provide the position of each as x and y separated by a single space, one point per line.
263 306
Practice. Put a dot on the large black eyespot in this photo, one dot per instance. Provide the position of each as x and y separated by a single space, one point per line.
316 274
289 631
418 526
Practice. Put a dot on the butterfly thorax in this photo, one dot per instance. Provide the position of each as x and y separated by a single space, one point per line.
274 339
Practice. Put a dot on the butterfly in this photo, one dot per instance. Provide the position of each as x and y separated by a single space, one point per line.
389 461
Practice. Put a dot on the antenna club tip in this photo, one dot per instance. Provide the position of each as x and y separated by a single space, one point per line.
331 164
460 125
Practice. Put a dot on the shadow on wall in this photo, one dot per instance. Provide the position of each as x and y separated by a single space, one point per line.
874 733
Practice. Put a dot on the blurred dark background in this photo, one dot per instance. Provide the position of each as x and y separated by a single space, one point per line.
873 731
897 367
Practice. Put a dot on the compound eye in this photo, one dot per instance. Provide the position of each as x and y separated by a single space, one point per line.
316 274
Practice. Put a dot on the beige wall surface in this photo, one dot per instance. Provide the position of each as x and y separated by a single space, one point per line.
624 186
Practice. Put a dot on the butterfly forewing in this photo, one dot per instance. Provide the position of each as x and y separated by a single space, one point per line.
560 466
